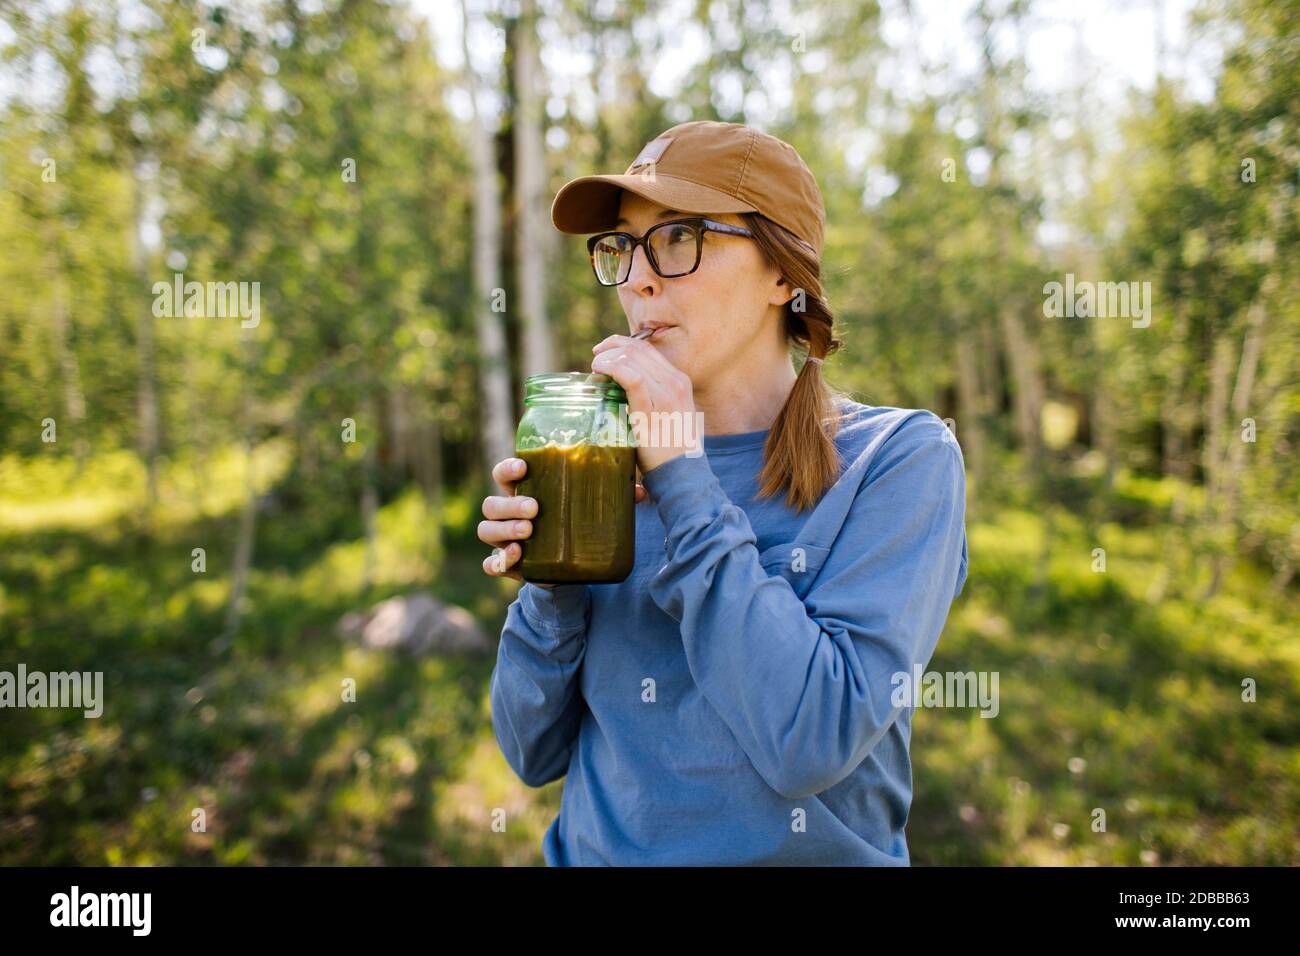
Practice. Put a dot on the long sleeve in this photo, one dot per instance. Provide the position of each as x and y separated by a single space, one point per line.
536 703
805 684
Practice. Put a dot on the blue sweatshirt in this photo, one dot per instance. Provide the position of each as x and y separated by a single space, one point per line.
729 703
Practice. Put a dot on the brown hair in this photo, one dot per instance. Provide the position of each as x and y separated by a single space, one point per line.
800 455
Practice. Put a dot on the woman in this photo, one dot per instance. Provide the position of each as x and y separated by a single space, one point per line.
732 701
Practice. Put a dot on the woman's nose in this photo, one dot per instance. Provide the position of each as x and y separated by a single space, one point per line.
640 275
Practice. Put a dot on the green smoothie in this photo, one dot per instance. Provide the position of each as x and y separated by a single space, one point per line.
585 528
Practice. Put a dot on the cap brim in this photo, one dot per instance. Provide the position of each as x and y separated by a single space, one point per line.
590 203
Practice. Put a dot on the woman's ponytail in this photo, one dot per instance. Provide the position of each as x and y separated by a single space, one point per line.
800 455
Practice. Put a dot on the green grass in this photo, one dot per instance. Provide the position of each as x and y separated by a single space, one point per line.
1114 697
1118 690
256 734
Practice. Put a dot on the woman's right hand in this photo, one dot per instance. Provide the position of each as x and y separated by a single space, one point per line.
507 521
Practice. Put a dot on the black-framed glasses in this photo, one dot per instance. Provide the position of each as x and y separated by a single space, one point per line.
672 248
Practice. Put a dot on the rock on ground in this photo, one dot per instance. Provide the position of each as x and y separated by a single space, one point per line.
416 624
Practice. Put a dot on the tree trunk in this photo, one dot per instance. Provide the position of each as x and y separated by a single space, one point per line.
399 429
146 395
1231 462
74 399
1216 413
1176 413
494 365
1022 356
243 559
970 430
369 491
530 179
1019 347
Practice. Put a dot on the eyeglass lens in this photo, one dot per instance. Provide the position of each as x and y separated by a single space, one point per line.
675 247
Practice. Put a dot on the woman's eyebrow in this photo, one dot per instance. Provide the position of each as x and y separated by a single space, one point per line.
662 214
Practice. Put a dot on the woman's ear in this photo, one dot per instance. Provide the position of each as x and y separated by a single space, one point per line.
781 292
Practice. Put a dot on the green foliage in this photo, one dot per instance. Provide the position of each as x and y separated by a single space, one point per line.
1147 693
314 151
1110 699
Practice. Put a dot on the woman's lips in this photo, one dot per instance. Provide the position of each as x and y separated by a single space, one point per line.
659 332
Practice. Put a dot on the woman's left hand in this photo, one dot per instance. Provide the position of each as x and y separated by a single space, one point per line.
656 388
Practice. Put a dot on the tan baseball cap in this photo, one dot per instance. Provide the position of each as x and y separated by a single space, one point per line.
704 167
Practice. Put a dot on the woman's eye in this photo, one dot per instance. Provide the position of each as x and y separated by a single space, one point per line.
681 234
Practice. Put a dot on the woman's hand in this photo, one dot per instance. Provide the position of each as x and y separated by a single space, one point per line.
654 387
507 520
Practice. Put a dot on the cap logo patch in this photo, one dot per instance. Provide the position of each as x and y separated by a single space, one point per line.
652 152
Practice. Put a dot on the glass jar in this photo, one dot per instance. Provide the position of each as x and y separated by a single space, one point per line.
581 457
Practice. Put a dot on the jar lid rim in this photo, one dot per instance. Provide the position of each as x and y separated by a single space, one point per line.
597 382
